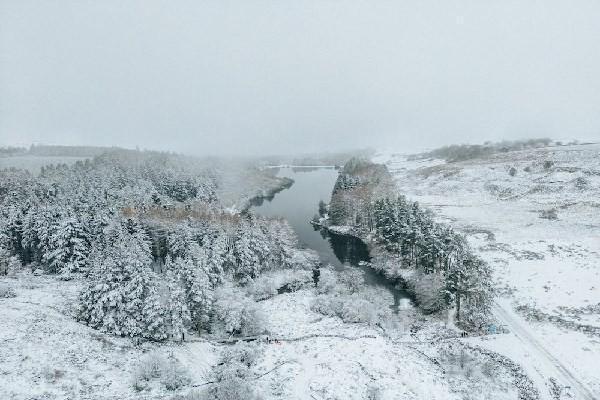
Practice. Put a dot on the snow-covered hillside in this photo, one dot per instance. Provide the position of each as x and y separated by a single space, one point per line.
46 354
534 215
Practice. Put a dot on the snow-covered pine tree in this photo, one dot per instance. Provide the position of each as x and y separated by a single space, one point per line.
246 251
179 241
37 225
4 259
5 252
121 296
195 281
477 292
177 310
68 247
283 244
153 318
322 208
217 257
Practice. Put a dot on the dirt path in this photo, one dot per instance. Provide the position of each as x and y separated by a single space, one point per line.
542 355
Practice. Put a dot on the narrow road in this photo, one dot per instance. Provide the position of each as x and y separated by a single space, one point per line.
551 363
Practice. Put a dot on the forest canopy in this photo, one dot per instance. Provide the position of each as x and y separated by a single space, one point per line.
146 231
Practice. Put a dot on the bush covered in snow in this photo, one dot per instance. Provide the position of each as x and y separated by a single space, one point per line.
174 376
551 214
352 278
234 312
263 288
351 308
233 375
327 281
354 309
155 367
582 183
297 279
193 394
6 291
9 265
273 282
429 291
344 295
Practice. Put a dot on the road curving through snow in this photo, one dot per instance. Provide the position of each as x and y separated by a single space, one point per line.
550 363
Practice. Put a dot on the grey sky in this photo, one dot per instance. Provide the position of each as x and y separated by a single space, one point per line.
287 76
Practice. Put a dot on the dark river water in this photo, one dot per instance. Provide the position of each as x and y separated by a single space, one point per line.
299 204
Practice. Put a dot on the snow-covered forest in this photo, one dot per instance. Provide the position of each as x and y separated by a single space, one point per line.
148 234
430 258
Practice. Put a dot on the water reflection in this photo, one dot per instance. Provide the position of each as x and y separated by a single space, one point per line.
348 250
259 201
298 205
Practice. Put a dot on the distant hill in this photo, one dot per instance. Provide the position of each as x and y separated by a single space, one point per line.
318 159
462 152
68 151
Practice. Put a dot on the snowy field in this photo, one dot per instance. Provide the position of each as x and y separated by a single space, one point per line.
46 354
534 215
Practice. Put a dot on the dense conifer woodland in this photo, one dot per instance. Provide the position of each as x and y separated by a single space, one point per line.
149 235
433 260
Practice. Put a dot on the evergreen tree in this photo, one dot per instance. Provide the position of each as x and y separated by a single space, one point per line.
68 247
4 259
192 275
177 310
121 297
322 208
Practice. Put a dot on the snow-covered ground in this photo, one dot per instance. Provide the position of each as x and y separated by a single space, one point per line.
535 216
46 354
329 359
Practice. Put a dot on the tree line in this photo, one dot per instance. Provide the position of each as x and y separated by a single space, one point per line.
462 152
434 260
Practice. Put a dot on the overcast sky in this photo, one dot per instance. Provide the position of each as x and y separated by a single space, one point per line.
255 77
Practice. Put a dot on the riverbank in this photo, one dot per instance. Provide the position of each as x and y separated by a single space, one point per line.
337 251
268 193
399 281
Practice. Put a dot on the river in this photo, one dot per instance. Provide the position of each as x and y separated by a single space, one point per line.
299 204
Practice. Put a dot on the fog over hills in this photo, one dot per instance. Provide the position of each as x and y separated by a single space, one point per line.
265 77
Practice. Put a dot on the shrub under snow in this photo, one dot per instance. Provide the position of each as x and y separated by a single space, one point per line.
263 288
7 291
428 290
287 280
233 375
353 279
327 281
351 308
169 372
235 312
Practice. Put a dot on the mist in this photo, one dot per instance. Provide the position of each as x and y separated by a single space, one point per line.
248 78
